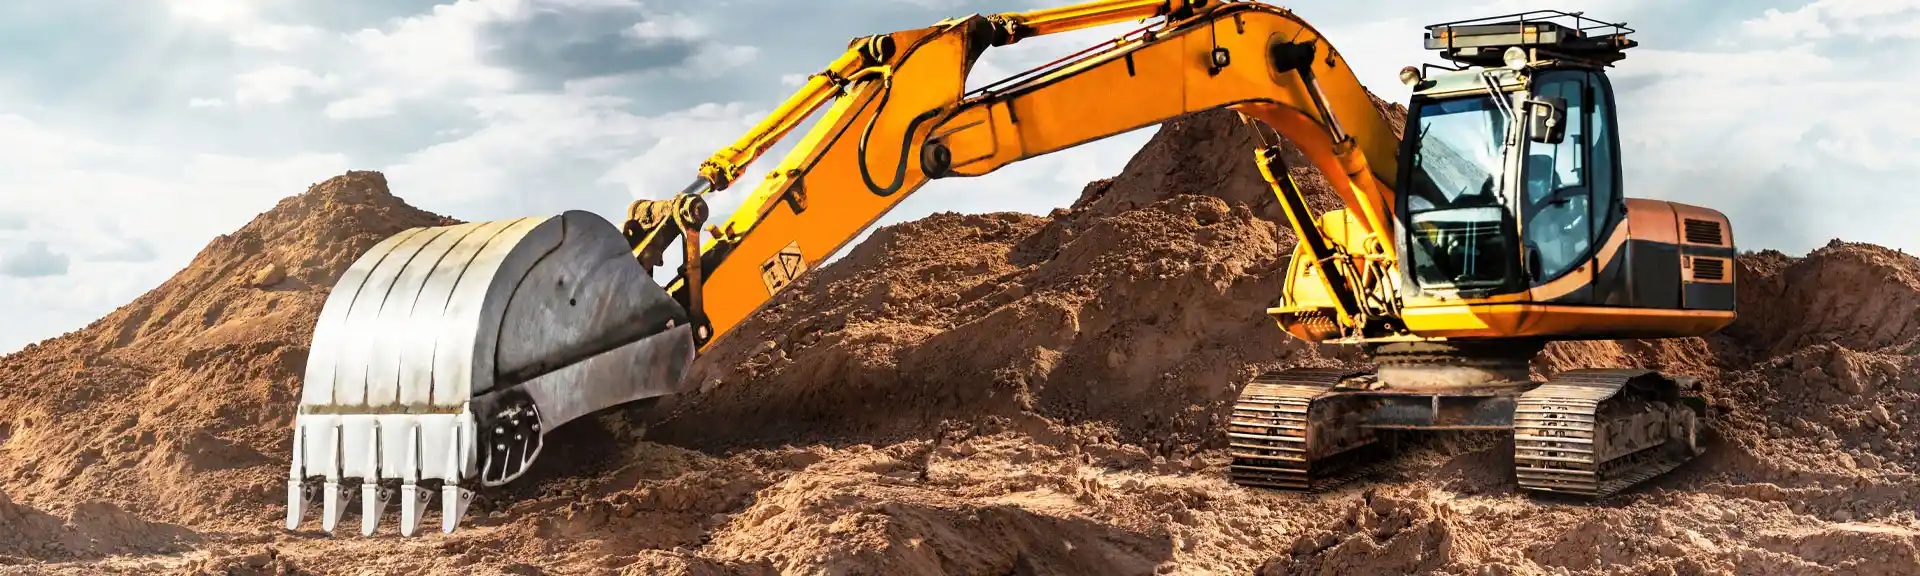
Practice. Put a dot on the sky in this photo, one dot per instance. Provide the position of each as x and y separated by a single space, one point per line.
132 133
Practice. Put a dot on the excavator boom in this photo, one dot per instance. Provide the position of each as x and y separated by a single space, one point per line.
906 120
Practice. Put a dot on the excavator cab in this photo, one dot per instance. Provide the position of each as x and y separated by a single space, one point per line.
1513 189
1512 232
1509 165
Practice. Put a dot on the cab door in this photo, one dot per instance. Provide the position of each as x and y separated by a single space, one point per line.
1557 230
1610 232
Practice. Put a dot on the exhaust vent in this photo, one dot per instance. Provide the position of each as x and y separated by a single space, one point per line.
1704 232
1709 269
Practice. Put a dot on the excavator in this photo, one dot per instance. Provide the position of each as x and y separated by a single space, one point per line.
444 355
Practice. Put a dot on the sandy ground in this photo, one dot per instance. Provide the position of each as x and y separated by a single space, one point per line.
968 394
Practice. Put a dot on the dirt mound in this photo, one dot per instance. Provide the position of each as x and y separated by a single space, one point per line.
1859 296
91 530
1149 292
176 405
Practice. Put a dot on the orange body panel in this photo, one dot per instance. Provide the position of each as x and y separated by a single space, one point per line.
1652 220
1562 322
1651 224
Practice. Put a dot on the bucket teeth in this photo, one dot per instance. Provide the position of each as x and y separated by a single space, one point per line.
443 355
300 497
337 500
413 505
453 504
454 498
373 503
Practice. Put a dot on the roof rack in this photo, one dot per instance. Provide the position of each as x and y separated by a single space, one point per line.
1548 33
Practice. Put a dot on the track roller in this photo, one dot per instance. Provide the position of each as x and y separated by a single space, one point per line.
1594 433
1292 430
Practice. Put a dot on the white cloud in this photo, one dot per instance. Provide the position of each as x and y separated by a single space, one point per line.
206 103
441 54
439 50
276 37
1797 62
218 12
372 103
667 27
933 4
1869 19
168 203
715 60
1794 142
243 23
566 141
279 83
31 260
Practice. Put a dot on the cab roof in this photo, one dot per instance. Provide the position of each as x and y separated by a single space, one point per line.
1545 34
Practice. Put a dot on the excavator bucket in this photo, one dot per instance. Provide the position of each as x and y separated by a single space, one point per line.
444 355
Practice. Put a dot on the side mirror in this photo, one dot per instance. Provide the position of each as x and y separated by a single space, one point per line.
1547 119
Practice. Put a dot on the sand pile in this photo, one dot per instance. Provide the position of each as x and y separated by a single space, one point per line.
970 394
177 405
90 530
1142 304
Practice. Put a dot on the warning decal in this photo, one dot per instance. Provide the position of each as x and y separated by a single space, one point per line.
779 271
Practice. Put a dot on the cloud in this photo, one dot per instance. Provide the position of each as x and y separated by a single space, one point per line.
1866 19
108 221
372 103
31 260
216 12
206 103
1798 62
1716 125
488 47
276 37
544 153
279 83
12 221
549 46
124 250
933 4
243 24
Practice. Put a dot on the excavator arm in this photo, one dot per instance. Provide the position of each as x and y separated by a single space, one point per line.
902 117
444 355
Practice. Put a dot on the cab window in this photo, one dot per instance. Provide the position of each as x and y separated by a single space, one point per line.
1557 221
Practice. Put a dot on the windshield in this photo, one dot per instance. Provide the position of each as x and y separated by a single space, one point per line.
1458 229
1456 158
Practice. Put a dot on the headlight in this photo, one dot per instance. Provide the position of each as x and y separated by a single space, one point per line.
1516 58
1410 76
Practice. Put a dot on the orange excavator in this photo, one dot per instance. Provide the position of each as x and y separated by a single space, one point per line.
1497 224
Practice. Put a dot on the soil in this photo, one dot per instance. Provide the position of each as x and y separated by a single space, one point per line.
969 394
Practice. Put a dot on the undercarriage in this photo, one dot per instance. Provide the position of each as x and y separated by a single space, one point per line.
1590 433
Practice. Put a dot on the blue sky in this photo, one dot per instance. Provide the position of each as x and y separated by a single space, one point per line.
131 133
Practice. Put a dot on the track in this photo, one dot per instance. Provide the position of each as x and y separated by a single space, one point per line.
1292 430
1594 433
